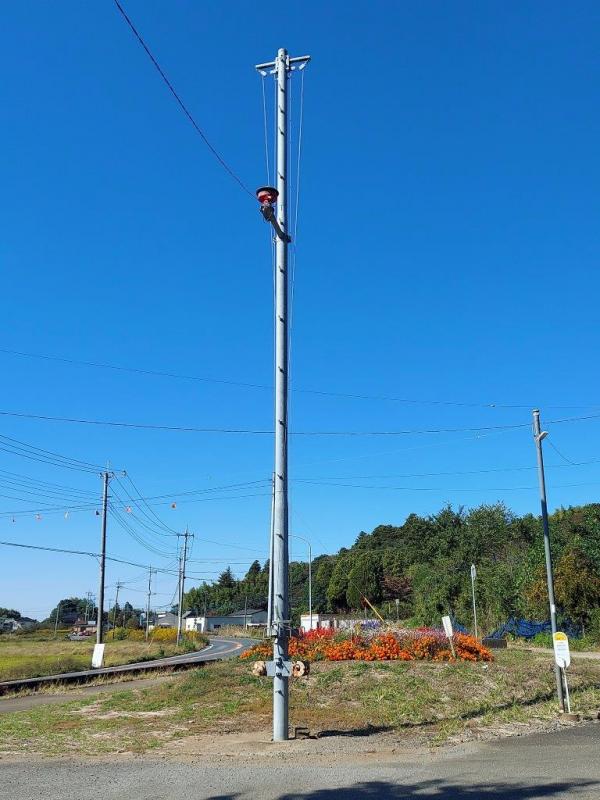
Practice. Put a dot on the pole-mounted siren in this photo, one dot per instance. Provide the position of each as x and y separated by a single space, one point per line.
267 197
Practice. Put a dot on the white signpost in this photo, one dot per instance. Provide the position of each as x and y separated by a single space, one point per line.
562 656
98 656
473 576
447 623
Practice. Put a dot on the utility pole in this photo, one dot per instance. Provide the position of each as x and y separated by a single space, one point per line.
279 567
148 602
118 585
56 619
106 476
271 537
310 614
246 612
539 436
182 561
89 607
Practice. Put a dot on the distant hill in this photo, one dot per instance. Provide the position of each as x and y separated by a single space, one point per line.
425 564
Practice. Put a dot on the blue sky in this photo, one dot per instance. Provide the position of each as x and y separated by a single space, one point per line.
447 250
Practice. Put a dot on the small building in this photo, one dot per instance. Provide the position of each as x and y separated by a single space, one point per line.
84 627
10 625
251 617
166 619
336 621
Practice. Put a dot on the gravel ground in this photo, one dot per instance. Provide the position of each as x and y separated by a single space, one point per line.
563 764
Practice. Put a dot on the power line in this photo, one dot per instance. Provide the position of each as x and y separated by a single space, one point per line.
181 104
141 426
24 450
61 508
456 489
438 474
253 431
269 387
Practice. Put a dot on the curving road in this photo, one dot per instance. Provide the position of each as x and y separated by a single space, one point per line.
218 649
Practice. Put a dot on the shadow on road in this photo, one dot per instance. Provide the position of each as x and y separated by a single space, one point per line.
439 790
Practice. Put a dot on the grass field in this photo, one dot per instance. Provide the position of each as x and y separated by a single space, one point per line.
23 657
432 701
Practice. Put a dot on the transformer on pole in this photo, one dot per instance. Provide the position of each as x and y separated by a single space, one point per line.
274 202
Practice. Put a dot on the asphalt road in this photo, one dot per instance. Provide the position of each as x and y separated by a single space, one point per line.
560 765
215 651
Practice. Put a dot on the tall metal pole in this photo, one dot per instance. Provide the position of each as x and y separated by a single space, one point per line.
473 576
148 602
181 586
310 586
100 621
280 566
280 628
539 436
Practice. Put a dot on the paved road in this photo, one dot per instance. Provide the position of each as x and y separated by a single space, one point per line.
218 649
556 766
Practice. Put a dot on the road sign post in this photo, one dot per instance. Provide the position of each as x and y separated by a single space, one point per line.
562 657
473 576
447 623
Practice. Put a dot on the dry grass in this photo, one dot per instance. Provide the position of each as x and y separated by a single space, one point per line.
433 701
24 658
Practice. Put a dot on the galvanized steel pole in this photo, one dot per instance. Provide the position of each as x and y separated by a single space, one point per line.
280 599
538 436
280 611
100 621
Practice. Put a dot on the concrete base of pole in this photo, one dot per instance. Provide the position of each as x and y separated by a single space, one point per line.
564 716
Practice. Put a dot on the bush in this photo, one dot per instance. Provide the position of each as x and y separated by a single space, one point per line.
594 625
427 644
170 635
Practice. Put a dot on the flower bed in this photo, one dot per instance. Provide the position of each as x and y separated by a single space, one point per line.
397 644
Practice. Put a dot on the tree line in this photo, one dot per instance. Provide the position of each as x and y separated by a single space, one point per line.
420 570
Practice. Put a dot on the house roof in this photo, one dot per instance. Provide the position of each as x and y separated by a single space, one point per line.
248 612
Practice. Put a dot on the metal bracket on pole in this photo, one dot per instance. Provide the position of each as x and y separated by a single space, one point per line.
268 213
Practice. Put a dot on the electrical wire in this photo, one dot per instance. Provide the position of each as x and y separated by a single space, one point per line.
269 387
264 102
458 490
181 104
164 529
564 458
252 431
22 449
17 477
62 509
85 553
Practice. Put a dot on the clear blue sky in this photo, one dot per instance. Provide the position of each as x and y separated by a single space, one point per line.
448 249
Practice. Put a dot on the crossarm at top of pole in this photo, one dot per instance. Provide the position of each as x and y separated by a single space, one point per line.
294 60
